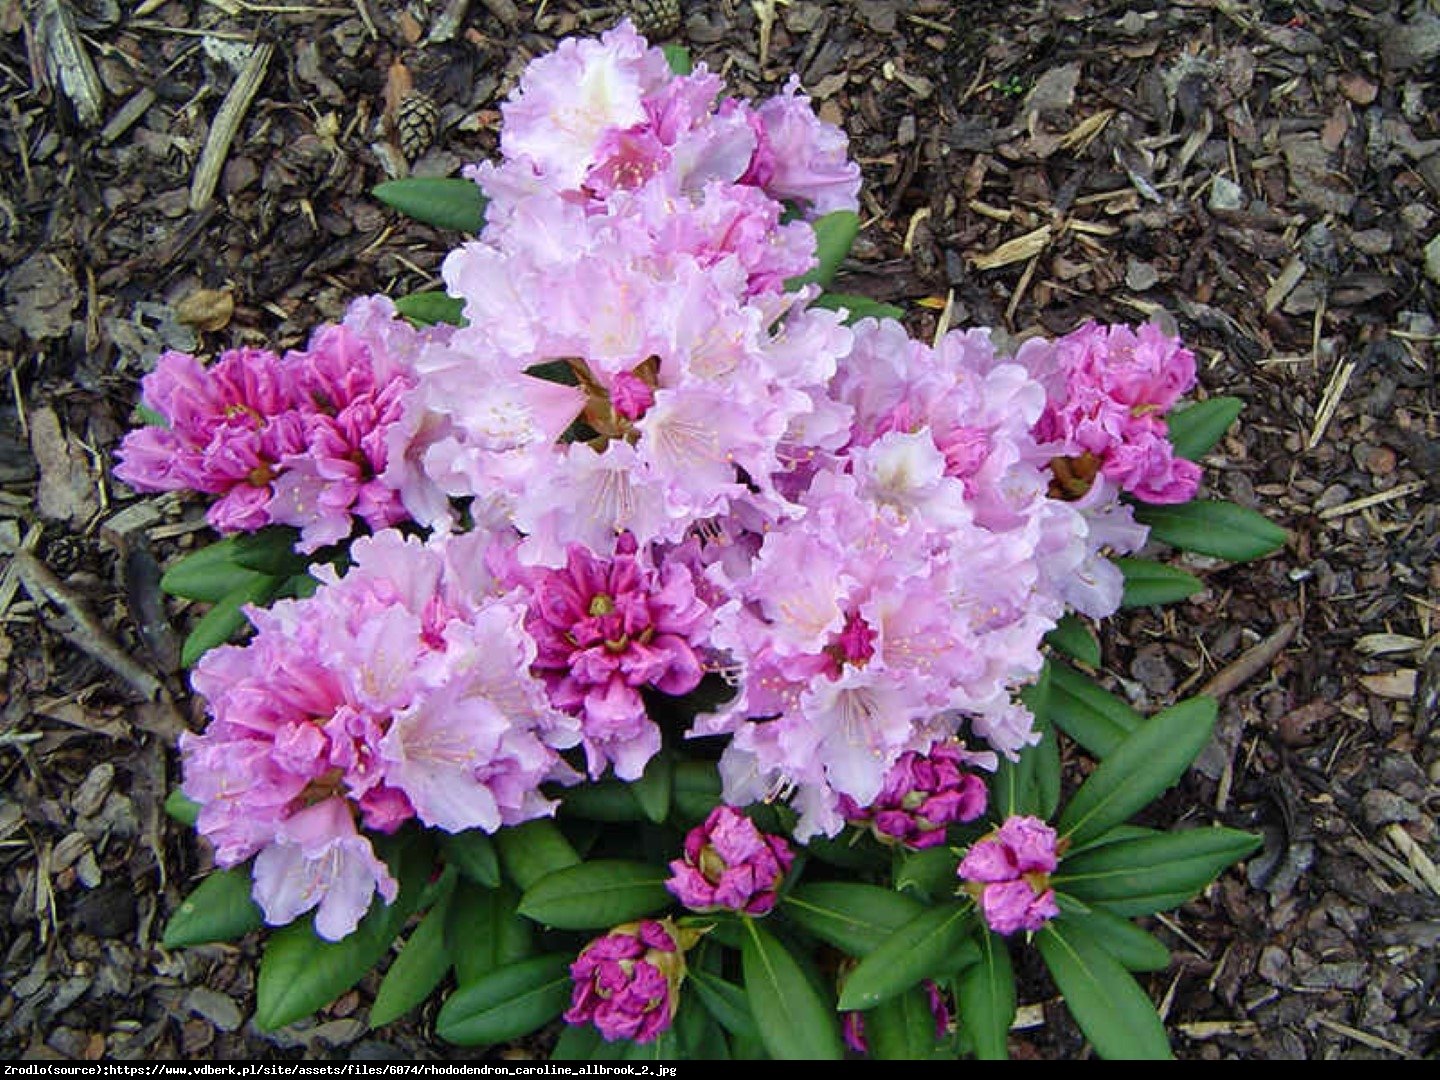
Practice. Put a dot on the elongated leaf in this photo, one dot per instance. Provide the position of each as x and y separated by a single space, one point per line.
857 307
219 909
985 998
795 1022
429 308
225 619
852 916
1151 758
507 1003
852 849
417 970
1143 875
726 1002
678 57
1195 429
652 790
929 873
448 203
701 1038
271 551
484 932
182 808
577 1042
1150 583
1093 717
1047 772
1136 949
472 852
301 972
597 894
936 942
530 851
602 800
1073 637
902 1028
209 574
1112 1010
1214 527
1012 787
695 789
834 233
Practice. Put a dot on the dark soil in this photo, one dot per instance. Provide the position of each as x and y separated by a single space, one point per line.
1265 176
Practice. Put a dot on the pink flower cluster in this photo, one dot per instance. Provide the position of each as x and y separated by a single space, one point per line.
923 794
730 865
301 439
627 983
1008 873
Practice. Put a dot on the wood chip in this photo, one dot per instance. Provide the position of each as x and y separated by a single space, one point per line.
1396 685
1251 662
1013 251
68 63
1405 844
227 124
1400 491
1383 644
1284 283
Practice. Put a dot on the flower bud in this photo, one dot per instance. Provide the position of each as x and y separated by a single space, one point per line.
923 794
730 865
1008 874
627 983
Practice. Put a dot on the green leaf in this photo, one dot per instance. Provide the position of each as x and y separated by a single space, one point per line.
852 849
726 1002
678 57
936 942
507 1003
985 998
1112 1010
576 1042
795 1022
484 932
1046 777
652 790
219 909
834 233
695 789
602 800
472 852
301 972
857 307
434 306
597 894
700 1037
417 970
182 808
928 873
148 417
902 1028
449 203
530 851
1148 583
1150 759
1224 530
271 551
1136 949
852 916
225 619
1074 637
1195 429
209 574
1146 874
1093 717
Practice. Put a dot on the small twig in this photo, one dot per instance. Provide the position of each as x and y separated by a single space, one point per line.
1330 401
1367 501
1419 861
1251 662
1375 1042
227 123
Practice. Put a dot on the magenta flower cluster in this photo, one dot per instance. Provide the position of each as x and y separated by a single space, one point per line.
642 462
730 865
1008 874
627 982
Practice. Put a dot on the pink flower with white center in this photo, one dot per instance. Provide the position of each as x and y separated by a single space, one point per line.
730 865
1008 874
627 983
319 861
923 794
605 628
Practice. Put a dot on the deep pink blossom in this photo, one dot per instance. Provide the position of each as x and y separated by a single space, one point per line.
923 794
1008 874
627 983
729 864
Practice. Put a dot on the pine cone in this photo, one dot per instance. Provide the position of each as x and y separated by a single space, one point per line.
417 120
653 18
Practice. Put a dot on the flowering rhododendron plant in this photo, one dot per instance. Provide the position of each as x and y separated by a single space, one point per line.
637 586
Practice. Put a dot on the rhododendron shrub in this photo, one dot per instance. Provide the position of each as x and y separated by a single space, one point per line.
656 642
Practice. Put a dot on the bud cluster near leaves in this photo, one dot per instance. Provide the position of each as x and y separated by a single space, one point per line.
637 642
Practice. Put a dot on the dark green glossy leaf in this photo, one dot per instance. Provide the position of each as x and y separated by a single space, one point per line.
182 808
225 619
417 970
472 852
678 57
928 873
602 800
902 1028
985 998
219 909
1224 530
857 307
597 894
432 307
652 790
852 916
726 1002
1143 875
1074 637
530 851
447 203
1046 777
1150 759
577 1042
1150 583
936 942
484 931
1194 430
1094 718
271 551
695 789
209 574
795 1022
834 233
1112 1010
1133 947
507 1003
852 849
